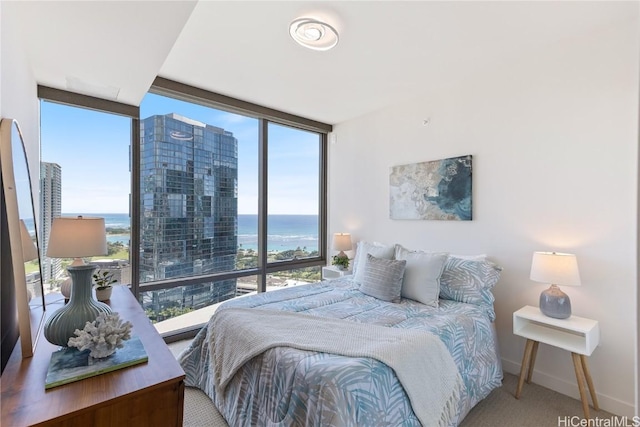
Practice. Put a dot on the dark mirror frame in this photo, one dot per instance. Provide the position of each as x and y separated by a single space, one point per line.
18 195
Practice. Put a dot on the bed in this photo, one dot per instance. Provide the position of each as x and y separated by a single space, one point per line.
291 381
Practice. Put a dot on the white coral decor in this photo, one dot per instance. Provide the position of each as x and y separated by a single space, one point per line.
102 336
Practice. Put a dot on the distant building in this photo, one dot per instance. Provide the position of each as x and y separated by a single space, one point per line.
189 178
50 207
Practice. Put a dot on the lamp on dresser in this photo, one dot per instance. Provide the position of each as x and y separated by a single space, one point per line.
556 269
76 238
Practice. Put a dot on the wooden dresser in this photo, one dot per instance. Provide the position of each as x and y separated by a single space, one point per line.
149 394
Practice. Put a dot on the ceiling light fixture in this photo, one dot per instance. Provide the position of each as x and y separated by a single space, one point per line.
314 34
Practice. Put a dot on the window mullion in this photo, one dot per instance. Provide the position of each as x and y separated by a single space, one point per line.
134 206
322 200
263 210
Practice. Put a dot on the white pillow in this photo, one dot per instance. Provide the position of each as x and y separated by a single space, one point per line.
363 248
422 273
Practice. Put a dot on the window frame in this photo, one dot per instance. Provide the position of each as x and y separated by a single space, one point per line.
264 115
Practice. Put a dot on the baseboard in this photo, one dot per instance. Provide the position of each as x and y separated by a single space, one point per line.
608 403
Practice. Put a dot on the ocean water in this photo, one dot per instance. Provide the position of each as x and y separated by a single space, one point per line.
285 231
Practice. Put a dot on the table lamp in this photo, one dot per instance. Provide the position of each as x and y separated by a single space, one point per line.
342 242
556 269
76 238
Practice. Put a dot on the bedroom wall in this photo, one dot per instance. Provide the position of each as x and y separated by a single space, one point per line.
18 88
18 100
554 136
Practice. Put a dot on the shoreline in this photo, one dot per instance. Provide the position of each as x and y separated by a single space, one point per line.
124 238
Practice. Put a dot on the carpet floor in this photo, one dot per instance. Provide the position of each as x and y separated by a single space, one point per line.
537 407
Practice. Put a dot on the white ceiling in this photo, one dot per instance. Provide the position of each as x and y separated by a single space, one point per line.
389 51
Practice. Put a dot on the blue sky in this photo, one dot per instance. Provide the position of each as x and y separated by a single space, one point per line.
92 149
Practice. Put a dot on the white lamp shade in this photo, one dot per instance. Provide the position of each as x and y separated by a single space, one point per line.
555 268
29 249
77 237
342 242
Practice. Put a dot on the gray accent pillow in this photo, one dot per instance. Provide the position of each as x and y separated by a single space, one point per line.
422 274
471 282
382 278
363 248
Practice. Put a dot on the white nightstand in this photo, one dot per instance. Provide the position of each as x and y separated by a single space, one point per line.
576 334
333 272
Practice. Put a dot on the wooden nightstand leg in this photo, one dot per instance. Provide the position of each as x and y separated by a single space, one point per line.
526 360
587 375
532 362
577 365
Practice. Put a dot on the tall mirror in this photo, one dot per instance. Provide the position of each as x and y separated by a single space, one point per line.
23 234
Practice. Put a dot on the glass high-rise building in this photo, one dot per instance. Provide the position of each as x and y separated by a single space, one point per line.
189 208
50 207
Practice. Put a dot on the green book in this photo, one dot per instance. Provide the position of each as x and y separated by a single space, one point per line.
70 364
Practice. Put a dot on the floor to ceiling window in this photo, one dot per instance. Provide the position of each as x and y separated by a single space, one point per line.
294 190
293 200
198 187
224 198
84 170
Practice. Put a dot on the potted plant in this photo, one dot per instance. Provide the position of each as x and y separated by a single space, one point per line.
103 281
342 262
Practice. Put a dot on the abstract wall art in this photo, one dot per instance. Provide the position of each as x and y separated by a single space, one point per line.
435 190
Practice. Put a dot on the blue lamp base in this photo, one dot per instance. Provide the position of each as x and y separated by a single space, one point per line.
82 308
555 303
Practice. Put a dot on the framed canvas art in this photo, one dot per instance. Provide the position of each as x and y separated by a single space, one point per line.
434 190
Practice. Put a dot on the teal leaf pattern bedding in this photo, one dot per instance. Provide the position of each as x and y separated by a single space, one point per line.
290 387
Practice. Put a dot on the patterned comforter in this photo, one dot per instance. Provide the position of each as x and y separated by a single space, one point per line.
290 387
